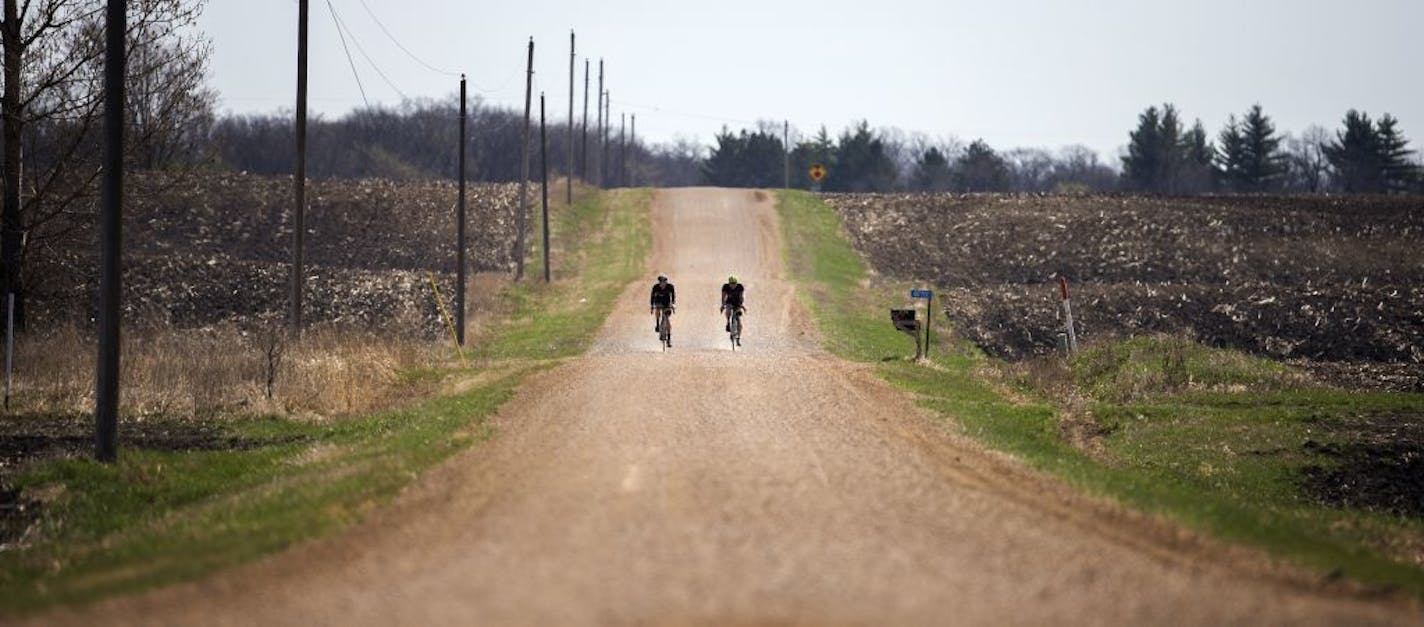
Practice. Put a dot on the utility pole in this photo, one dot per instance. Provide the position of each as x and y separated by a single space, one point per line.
583 157
622 150
607 130
786 154
106 397
460 231
11 233
522 221
544 185
300 178
633 139
597 150
569 173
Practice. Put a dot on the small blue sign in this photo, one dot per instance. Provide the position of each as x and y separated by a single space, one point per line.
920 293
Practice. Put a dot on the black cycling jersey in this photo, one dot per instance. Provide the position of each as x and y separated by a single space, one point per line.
732 294
664 295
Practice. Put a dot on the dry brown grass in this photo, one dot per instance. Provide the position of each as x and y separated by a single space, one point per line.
204 372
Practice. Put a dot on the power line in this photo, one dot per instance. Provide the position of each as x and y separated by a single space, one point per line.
349 60
715 118
504 85
341 24
401 46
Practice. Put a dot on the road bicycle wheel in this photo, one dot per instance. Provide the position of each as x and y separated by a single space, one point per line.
664 332
736 333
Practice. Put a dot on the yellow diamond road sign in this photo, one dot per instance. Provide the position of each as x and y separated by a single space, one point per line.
817 172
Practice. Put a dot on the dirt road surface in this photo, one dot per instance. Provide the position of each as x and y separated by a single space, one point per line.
773 485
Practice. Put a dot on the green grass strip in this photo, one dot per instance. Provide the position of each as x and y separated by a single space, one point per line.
1220 462
161 517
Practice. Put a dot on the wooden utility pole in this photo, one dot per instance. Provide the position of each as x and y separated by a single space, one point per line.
300 179
544 184
11 231
598 150
633 139
607 130
460 231
522 221
786 154
569 173
583 157
622 150
106 397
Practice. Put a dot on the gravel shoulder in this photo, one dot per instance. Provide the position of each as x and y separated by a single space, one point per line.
775 484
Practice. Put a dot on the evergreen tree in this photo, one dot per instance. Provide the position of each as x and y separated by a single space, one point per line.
1154 152
744 160
1353 155
720 168
980 169
932 173
1370 158
1398 173
1196 174
1264 163
862 163
1231 154
819 150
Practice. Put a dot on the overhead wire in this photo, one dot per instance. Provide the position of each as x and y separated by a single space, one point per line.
356 42
689 114
343 30
349 60
402 46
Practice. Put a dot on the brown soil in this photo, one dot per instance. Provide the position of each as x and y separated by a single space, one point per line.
1331 283
773 485
217 249
1380 468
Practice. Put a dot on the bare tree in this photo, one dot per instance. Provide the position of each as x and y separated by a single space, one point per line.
1030 170
1307 168
53 72
1078 169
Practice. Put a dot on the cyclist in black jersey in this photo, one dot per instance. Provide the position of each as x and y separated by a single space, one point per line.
732 298
664 296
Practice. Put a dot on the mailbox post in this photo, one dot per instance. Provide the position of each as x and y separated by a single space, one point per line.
929 315
905 322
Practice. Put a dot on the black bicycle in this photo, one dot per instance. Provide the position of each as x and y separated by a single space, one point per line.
734 326
665 326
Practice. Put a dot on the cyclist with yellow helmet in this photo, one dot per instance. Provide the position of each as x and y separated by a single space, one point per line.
732 298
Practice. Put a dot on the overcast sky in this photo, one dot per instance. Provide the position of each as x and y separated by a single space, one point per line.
1042 73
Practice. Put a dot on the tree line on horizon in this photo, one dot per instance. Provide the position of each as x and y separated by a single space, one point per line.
1162 157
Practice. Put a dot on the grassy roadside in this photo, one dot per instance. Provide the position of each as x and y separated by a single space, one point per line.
1224 455
158 517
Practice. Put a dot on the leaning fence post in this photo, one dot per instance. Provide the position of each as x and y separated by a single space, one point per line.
1068 315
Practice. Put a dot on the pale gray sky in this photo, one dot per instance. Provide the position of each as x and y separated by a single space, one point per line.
1014 72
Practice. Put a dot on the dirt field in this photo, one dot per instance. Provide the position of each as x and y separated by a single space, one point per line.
218 249
774 485
1333 283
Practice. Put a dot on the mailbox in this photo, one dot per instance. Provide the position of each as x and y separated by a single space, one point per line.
904 320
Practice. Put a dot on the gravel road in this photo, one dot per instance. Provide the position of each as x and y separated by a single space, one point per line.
773 485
